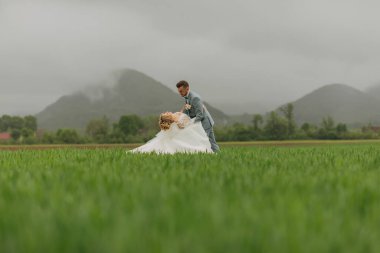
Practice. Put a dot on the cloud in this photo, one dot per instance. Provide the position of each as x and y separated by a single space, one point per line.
345 30
264 51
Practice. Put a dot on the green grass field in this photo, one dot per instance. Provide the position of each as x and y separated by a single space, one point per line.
245 199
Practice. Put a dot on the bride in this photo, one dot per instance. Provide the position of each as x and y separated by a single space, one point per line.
179 134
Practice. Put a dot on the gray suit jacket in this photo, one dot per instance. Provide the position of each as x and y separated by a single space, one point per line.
198 110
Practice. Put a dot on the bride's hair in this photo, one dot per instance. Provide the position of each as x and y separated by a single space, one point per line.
165 121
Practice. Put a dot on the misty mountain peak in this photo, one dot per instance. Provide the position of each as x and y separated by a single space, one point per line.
127 78
341 102
128 92
337 87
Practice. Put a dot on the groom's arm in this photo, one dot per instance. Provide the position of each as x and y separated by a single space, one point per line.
198 106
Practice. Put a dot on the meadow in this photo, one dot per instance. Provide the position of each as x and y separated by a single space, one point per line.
323 198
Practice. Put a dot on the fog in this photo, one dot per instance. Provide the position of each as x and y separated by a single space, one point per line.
258 54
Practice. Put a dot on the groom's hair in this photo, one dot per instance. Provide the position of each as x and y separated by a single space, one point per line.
182 83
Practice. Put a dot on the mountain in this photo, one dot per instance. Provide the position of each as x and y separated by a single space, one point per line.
342 102
374 91
130 92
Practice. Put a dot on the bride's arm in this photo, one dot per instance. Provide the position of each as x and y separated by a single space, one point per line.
183 120
183 109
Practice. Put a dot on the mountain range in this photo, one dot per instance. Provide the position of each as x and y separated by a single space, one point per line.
133 92
128 92
339 101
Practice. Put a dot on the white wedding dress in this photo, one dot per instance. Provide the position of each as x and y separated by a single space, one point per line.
190 138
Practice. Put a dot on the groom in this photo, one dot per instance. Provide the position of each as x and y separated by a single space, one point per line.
194 108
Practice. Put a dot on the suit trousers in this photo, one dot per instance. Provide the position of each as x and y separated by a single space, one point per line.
211 137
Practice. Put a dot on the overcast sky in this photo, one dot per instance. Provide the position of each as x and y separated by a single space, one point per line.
269 52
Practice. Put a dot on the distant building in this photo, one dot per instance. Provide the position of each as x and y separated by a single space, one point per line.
5 136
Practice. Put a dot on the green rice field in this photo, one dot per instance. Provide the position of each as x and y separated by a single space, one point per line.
248 198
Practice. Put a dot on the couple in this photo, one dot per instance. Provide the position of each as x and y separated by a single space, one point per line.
187 131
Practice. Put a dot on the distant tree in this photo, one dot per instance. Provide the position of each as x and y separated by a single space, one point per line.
69 136
305 127
116 135
241 132
288 111
341 128
130 124
151 127
257 121
3 127
49 138
97 129
30 122
309 129
222 134
150 123
5 123
16 134
8 123
328 124
327 130
17 122
26 132
276 127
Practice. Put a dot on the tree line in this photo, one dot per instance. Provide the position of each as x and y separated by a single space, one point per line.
128 129
20 128
277 125
281 125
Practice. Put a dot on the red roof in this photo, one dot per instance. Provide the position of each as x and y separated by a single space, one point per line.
5 136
